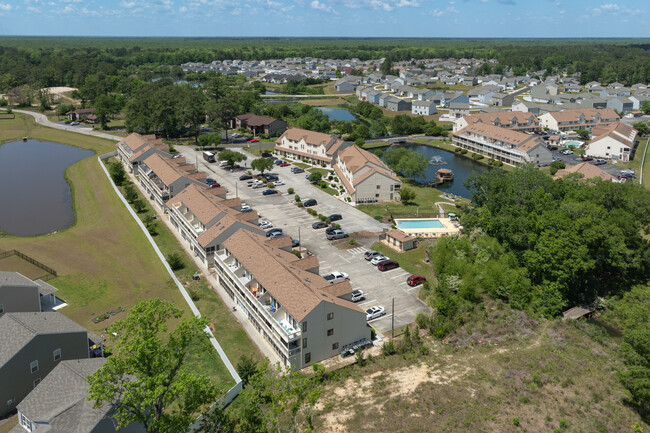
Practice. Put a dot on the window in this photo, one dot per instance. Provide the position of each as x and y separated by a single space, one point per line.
335 346
37 381
330 332
304 343
307 358
25 422
377 195
2 308
57 354
330 316
378 186
33 366
303 326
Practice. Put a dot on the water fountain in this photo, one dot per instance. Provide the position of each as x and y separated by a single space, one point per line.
437 160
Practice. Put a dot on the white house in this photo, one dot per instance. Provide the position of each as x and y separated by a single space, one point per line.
425 108
315 147
615 141
366 178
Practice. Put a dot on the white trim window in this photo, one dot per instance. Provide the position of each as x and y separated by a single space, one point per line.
26 423
37 381
33 366
57 354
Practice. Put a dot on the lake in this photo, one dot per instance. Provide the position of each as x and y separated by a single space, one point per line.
35 196
462 167
336 113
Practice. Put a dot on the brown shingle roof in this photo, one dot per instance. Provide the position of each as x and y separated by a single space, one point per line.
514 138
312 137
505 118
589 171
399 235
572 115
619 131
169 170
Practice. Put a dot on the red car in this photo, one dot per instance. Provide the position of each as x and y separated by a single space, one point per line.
415 280
284 164
587 158
254 140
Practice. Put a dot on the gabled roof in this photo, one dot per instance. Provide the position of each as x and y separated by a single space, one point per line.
621 132
504 117
330 142
15 279
574 114
255 120
589 171
169 170
513 138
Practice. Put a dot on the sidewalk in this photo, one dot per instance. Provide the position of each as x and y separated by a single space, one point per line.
263 346
42 119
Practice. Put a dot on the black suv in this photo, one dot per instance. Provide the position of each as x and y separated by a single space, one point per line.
295 169
245 177
310 202
335 217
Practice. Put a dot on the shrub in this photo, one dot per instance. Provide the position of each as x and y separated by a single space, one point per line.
117 173
379 218
297 253
337 226
130 193
264 135
300 204
290 191
322 217
323 184
348 199
323 164
359 359
270 185
515 422
388 348
373 334
458 149
352 242
246 367
139 205
463 151
422 320
297 198
175 261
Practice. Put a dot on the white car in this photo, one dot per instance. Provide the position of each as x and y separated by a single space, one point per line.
378 259
278 183
265 224
357 295
375 312
566 152
336 277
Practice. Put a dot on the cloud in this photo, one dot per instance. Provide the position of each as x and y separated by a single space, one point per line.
33 9
443 12
5 7
127 4
385 5
315 4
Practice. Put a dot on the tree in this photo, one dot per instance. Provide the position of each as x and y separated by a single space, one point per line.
232 157
212 139
262 164
246 367
117 173
582 133
106 106
557 165
175 261
407 162
386 66
130 193
645 107
147 380
62 109
284 400
406 195
642 127
359 142
315 177
139 205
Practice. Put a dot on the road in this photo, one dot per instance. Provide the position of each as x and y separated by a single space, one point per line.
42 119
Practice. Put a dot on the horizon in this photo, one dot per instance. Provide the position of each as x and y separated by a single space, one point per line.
420 19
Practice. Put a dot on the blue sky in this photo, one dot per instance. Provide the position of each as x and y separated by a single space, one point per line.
348 18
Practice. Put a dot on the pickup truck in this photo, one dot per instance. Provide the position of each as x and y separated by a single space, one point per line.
336 277
337 234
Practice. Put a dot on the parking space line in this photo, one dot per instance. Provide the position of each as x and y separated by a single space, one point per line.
400 275
379 318
393 270
366 302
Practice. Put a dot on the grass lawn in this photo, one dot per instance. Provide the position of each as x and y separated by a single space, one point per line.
411 261
104 261
326 101
11 423
301 165
635 164
375 145
322 171
423 205
257 150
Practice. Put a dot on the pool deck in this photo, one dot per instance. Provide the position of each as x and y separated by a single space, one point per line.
450 228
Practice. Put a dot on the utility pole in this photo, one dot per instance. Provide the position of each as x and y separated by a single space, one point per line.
392 320
299 240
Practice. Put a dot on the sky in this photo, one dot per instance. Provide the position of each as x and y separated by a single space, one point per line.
336 18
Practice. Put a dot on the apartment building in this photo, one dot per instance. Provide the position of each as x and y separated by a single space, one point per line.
135 148
205 220
303 317
163 178
578 118
615 141
20 294
365 177
315 147
510 147
32 344
515 120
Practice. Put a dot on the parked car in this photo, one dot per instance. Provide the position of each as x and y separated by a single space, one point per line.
310 202
587 158
270 177
295 243
269 192
275 230
375 312
277 235
335 217
278 162
284 164
74 123
245 208
415 280
265 224
387 265
318 225
566 152
215 185
336 277
378 260
337 234
266 155
254 140
330 230
543 164
210 180
549 147
557 158
235 134
278 183
245 177
371 254
295 169
599 162
357 295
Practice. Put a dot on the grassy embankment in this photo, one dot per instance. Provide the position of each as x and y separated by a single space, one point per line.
104 260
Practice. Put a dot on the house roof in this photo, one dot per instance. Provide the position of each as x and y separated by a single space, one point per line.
45 288
255 120
519 140
225 223
505 118
399 235
82 111
573 115
619 131
135 141
589 171
18 329
15 279
297 290
169 170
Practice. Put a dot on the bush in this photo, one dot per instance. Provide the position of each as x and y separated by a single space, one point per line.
296 253
130 194
348 199
323 164
300 204
388 348
117 173
337 226
323 184
264 135
458 149
270 185
359 359
352 242
175 261
379 218
463 151
139 205
246 367
422 320
290 191
297 198
515 422
557 165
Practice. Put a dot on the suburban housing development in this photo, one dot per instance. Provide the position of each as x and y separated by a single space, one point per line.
315 147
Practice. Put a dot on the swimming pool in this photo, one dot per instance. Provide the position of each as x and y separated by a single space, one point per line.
420 224
573 143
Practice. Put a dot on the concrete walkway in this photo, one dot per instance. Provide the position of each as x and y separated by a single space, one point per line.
42 119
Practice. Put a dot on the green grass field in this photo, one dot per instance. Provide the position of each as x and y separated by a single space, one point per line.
104 261
411 261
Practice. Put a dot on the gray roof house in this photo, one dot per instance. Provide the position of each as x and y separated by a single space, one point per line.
425 108
383 98
397 104
526 107
32 345
373 96
502 100
347 84
621 104
59 404
593 101
20 294
458 109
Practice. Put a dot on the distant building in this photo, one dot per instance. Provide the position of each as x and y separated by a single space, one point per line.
80 114
515 120
589 171
259 124
578 118
616 141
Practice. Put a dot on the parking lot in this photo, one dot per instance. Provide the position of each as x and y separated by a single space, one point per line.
379 287
575 159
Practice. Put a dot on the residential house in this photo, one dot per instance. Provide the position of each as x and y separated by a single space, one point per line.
502 100
588 171
425 108
135 148
205 220
299 313
616 141
591 100
33 343
396 104
60 403
572 88
514 120
621 104
592 84
163 178
638 86
315 147
373 96
578 118
458 109
80 114
526 107
347 84
383 98
638 99
501 144
544 94
362 92
366 178
615 85
470 81
259 124
20 294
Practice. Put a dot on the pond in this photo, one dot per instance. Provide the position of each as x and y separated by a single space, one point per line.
36 198
461 166
336 113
